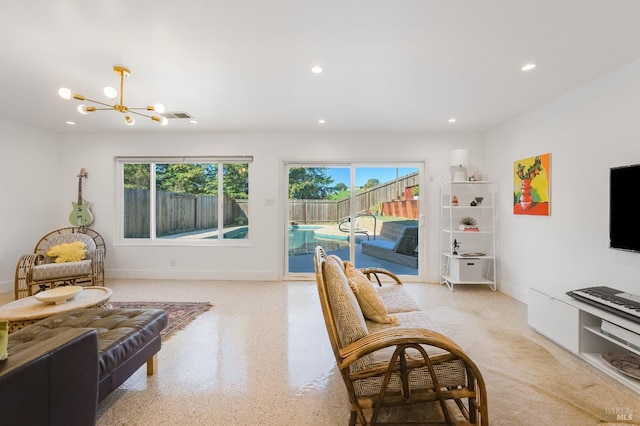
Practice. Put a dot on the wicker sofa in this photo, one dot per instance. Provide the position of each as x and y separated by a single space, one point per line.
399 359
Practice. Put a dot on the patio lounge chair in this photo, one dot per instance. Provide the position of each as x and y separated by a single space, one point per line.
402 250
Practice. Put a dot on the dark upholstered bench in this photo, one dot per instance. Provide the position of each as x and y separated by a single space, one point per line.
127 339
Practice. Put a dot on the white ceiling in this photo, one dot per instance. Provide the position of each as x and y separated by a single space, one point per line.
244 65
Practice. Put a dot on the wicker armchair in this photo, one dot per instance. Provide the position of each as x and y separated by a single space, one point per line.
37 271
396 366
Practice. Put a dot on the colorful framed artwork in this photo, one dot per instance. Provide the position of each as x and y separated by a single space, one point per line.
531 185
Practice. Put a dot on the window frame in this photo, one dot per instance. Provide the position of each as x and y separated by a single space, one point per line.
153 240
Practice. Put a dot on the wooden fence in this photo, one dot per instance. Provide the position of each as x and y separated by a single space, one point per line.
176 213
368 201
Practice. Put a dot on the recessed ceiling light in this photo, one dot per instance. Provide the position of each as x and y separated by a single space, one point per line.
321 121
452 120
528 67
70 123
193 121
317 69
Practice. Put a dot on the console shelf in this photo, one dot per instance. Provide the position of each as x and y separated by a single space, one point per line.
576 326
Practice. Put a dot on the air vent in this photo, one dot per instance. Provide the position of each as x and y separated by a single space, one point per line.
180 114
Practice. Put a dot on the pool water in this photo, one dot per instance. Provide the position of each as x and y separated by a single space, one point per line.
234 234
303 240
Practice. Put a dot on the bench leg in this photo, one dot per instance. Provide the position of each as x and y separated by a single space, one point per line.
152 365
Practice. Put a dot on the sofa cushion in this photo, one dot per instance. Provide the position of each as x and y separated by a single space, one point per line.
413 319
396 298
348 317
52 271
371 304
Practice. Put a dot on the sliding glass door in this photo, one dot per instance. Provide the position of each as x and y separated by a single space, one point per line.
368 214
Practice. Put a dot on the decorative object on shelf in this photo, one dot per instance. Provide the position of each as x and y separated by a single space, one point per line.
531 190
479 200
468 223
456 246
473 254
112 93
625 363
473 204
454 201
477 176
459 163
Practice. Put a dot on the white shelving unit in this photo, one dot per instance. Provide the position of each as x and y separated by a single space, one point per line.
473 261
576 326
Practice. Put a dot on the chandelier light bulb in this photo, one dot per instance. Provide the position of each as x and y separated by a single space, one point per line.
64 93
118 105
110 92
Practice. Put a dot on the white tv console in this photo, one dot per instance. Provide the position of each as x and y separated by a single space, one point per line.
575 326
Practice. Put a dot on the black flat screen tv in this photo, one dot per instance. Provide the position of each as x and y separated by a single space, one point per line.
624 230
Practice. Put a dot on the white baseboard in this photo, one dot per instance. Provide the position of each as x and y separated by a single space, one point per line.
517 293
172 274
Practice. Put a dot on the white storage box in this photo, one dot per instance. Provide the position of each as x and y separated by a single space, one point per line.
471 269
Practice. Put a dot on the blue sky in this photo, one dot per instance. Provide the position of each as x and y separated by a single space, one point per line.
363 174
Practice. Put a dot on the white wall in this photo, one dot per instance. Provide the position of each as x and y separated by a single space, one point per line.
29 178
587 131
264 259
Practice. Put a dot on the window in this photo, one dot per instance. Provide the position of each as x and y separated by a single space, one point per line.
177 200
368 213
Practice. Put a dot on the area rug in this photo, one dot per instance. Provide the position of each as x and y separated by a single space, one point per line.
180 313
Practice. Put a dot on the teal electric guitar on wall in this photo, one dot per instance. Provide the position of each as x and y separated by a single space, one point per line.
81 215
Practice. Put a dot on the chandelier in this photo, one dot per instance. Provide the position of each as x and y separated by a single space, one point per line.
112 94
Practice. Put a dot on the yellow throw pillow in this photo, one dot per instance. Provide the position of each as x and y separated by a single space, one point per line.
370 302
68 252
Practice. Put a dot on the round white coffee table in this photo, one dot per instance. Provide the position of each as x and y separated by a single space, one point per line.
23 312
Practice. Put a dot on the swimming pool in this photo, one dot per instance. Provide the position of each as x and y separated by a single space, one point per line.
303 239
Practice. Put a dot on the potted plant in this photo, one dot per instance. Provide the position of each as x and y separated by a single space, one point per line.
468 223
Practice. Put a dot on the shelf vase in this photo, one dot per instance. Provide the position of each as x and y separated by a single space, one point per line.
526 200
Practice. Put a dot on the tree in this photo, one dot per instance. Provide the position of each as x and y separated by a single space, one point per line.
309 183
341 187
236 180
136 176
187 178
371 183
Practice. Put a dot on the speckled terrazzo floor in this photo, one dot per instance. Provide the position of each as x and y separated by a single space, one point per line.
260 356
